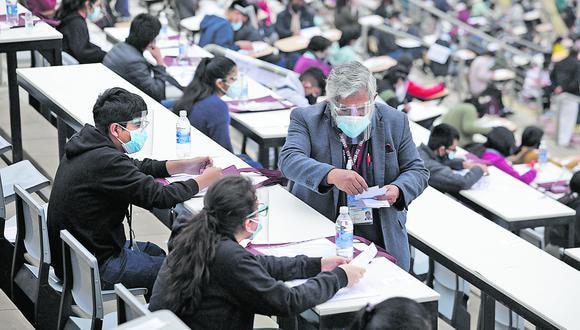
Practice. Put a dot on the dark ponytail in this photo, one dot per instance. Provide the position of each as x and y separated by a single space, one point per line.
203 83
227 203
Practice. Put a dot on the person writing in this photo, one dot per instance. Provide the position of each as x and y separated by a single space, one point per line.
211 282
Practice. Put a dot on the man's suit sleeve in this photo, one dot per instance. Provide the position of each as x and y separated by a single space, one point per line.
413 176
295 162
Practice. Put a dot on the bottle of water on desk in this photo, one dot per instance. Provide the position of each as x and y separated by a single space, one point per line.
183 45
12 12
163 33
542 153
344 234
183 135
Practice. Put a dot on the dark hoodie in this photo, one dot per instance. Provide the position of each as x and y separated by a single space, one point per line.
76 42
93 187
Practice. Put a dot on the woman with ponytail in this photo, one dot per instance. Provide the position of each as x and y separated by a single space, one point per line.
211 282
202 98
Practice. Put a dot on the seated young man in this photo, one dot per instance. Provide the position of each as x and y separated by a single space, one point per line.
96 182
234 32
439 159
304 90
127 59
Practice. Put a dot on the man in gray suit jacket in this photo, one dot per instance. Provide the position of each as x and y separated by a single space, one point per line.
339 148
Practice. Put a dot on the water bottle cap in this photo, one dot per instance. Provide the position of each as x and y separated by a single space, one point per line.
344 210
182 113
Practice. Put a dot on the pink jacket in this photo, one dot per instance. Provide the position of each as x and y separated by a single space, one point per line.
499 161
305 62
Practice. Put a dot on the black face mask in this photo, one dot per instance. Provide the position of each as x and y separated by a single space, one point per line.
296 8
311 99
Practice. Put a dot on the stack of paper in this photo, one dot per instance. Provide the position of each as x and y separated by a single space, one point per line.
368 197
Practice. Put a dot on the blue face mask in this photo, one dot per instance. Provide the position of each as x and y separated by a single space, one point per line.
138 138
255 232
451 155
95 14
236 25
352 126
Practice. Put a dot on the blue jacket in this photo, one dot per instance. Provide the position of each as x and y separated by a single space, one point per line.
211 116
216 30
313 148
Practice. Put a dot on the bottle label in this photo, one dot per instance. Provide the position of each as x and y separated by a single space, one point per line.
183 136
343 239
11 8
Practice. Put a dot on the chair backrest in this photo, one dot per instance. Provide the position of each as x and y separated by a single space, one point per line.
68 59
128 306
35 226
81 275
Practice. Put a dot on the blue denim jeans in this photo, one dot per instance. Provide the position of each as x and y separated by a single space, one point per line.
134 268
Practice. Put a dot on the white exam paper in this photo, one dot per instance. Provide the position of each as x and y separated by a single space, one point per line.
375 203
372 192
365 257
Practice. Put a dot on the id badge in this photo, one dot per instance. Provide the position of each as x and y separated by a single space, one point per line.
359 214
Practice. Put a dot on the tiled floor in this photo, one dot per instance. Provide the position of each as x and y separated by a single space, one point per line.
10 316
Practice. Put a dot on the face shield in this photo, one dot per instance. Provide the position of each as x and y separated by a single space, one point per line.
353 120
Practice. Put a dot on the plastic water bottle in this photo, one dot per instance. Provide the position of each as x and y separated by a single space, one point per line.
542 153
183 135
163 33
183 46
344 234
12 12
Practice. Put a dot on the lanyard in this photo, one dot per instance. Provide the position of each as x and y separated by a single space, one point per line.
353 161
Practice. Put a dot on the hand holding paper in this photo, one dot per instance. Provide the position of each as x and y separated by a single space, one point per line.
365 257
373 197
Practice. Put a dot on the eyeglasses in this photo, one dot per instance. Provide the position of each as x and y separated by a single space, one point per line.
261 211
353 110
139 122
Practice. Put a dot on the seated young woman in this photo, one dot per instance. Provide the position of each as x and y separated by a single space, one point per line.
211 282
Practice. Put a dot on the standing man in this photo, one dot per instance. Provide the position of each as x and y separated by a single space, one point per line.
339 148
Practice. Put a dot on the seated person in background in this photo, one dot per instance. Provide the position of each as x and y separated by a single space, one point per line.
234 32
127 59
214 77
439 158
239 17
480 78
211 282
415 90
293 19
346 52
464 118
41 8
96 182
528 150
305 90
559 234
315 56
393 313
346 14
500 145
75 33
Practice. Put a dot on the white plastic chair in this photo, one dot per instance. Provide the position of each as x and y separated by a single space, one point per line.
128 307
82 284
31 270
446 283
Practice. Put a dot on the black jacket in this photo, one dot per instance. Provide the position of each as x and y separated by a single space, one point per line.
76 42
92 190
242 285
129 63
284 20
566 73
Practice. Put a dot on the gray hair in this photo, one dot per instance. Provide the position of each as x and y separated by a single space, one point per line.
349 78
